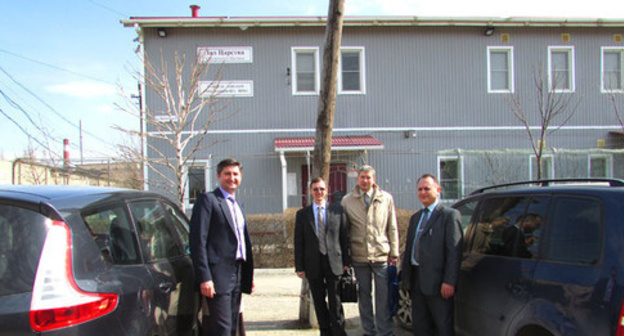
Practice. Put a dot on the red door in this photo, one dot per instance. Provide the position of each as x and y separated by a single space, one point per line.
337 182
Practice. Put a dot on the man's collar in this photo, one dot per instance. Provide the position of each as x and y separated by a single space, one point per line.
226 194
323 204
433 206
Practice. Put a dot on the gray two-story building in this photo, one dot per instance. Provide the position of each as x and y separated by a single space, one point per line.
415 95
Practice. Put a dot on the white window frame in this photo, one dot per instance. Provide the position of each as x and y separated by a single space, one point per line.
317 72
609 164
360 51
207 178
460 162
550 157
510 74
572 66
604 89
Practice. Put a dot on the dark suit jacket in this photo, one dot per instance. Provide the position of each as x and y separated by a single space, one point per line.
440 250
213 244
307 242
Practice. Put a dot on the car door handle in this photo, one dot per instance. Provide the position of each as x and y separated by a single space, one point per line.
166 287
517 288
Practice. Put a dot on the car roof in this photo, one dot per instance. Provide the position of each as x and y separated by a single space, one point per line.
555 186
74 196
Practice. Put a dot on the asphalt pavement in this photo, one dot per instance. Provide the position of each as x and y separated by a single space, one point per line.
273 308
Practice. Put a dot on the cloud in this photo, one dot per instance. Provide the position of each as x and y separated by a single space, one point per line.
83 89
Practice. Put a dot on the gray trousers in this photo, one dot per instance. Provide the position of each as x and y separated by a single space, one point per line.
366 273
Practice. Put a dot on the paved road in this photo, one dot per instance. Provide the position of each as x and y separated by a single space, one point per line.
273 308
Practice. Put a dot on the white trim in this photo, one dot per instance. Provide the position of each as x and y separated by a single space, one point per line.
317 70
544 157
460 160
403 129
609 163
510 71
245 23
206 164
362 69
602 83
572 66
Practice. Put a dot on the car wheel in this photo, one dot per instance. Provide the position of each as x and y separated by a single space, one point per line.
404 313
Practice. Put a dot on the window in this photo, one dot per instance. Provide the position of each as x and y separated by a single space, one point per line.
466 209
305 70
500 70
600 166
22 236
181 226
561 69
548 168
576 235
351 77
507 226
612 62
114 234
450 174
155 231
197 180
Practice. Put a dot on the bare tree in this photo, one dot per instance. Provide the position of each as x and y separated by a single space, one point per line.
188 104
553 109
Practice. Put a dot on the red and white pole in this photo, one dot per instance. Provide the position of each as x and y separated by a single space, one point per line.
66 152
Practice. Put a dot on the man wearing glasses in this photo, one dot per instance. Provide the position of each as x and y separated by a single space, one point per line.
321 256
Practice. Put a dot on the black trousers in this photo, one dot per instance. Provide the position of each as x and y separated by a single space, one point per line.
224 309
431 314
330 316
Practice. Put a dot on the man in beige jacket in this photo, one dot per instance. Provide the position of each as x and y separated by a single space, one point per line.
374 237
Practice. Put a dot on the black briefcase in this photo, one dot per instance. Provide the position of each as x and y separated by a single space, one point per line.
348 286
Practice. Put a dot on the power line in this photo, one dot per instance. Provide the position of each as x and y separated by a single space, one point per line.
54 66
51 108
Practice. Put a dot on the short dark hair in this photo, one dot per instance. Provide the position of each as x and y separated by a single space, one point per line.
424 176
227 163
316 180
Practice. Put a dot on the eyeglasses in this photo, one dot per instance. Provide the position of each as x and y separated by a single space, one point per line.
318 189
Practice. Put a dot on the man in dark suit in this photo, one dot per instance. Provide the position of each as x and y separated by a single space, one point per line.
321 256
431 262
221 251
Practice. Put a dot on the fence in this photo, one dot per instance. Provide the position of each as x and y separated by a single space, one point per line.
272 237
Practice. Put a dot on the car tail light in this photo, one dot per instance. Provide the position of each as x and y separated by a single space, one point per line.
57 302
620 323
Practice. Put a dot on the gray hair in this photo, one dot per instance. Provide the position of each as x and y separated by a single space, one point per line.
366 168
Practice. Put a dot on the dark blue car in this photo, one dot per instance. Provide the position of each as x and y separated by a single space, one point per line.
543 259
94 261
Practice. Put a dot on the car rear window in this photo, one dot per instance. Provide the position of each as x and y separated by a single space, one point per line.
576 235
22 234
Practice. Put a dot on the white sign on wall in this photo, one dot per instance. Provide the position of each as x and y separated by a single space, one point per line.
240 88
225 54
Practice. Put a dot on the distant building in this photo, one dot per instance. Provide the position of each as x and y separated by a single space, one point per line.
32 172
416 95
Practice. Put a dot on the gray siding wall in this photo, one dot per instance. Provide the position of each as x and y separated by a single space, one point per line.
422 78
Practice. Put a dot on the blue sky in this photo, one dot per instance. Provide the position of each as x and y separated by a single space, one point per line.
63 62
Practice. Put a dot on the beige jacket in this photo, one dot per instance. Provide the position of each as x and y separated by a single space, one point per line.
373 234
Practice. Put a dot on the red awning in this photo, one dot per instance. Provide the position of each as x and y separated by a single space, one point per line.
339 143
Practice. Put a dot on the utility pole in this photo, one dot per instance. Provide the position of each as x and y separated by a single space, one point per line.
327 97
324 124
